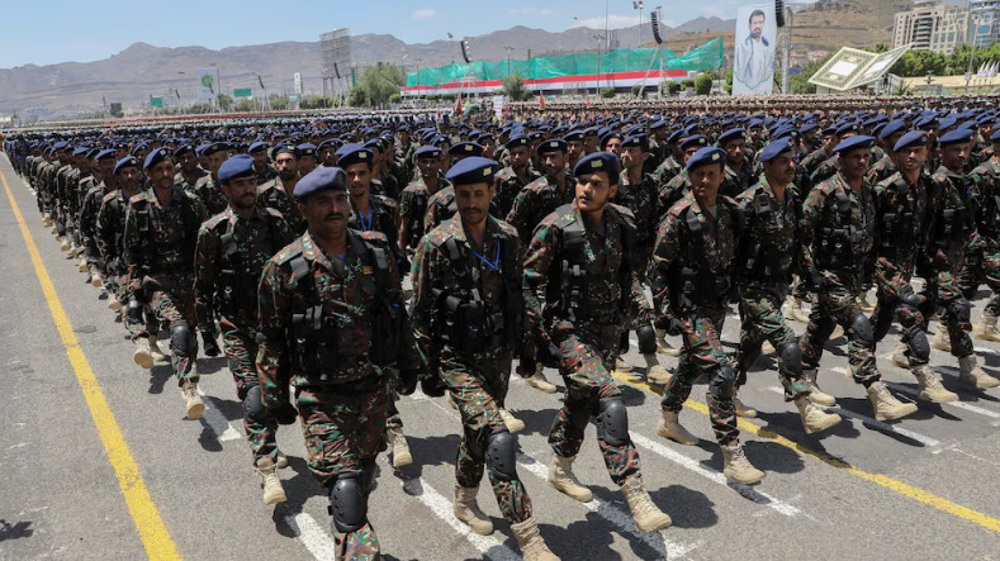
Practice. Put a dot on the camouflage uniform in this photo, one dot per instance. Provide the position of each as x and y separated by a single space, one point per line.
672 192
692 267
537 200
89 211
881 170
440 207
735 183
768 250
986 181
667 170
229 258
509 185
838 234
583 315
188 183
208 190
159 247
110 236
808 165
474 361
413 203
273 194
317 316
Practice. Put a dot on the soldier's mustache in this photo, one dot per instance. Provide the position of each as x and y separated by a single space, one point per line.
333 216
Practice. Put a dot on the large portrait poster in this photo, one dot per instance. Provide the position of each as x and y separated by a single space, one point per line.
756 41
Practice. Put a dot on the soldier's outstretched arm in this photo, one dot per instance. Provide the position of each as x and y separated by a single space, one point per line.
812 213
274 300
206 262
424 298
132 249
544 247
665 252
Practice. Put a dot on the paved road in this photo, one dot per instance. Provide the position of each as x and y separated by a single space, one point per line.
97 461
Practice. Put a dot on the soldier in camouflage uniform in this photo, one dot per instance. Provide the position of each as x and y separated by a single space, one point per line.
986 178
578 286
414 198
513 178
207 188
277 193
739 175
885 166
332 322
161 230
838 236
230 255
189 172
693 266
467 315
89 211
671 164
952 238
767 253
678 187
262 168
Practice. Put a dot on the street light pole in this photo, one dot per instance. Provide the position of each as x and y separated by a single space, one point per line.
638 5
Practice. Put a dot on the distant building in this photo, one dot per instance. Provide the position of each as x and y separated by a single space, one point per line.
933 26
985 21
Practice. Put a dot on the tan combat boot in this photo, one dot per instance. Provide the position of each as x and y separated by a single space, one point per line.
646 515
766 348
742 410
561 477
814 419
987 330
401 456
737 466
141 354
467 510
816 395
622 366
512 423
154 349
282 462
539 381
83 266
193 404
95 278
274 493
64 244
886 406
670 427
930 385
530 541
899 357
47 220
658 376
114 303
865 304
973 376
662 346
793 311
941 340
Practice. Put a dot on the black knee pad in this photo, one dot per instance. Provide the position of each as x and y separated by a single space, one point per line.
647 339
348 505
862 329
917 343
133 311
253 407
612 421
181 338
791 355
723 381
961 309
501 455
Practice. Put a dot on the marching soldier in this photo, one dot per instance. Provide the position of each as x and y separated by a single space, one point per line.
278 193
986 178
414 198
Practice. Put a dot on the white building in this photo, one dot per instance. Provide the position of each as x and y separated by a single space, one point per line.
986 21
932 26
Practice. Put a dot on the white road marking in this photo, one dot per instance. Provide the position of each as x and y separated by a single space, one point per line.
959 404
223 429
313 536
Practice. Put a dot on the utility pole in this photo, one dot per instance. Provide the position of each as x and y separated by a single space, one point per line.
787 56
508 49
638 5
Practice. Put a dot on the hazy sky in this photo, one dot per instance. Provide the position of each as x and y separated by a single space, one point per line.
39 32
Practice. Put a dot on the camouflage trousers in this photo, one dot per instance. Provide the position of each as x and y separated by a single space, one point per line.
171 299
761 320
944 291
703 355
479 388
986 271
837 304
240 347
586 359
912 320
344 434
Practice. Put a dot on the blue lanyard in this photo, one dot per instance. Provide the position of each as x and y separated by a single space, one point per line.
495 264
361 218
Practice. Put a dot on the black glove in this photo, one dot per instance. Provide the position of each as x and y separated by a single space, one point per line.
408 381
211 347
285 414
432 385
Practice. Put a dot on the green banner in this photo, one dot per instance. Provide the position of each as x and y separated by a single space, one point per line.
705 57
242 92
155 101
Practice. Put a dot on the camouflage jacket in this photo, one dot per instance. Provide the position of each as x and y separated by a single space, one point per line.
382 217
188 183
735 183
340 295
808 165
111 231
641 200
986 179
901 236
211 195
273 195
838 228
768 251
537 200
671 193
413 203
881 170
161 240
667 170
88 218
694 257
509 185
952 229
229 258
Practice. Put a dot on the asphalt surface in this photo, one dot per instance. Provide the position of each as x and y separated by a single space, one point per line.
927 487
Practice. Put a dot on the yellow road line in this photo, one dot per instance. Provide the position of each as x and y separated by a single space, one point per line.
904 489
152 531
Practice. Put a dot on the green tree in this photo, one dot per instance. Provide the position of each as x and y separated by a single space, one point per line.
608 93
244 106
377 84
513 87
673 87
278 103
703 84
225 102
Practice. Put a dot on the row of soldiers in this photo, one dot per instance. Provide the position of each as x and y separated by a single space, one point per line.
541 242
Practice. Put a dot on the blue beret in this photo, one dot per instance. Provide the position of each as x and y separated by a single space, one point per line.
808 127
756 123
239 165
599 161
466 149
608 135
81 151
995 137
926 121
306 149
574 135
427 152
135 150
472 170
60 146
947 123
320 179
516 141
183 149
912 138
637 140
257 146
706 156
775 149
892 128
552 145
216 147
662 123
284 149
860 141
127 161
107 153
487 137
731 134
349 154
694 140
675 136
155 157
956 136
845 128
